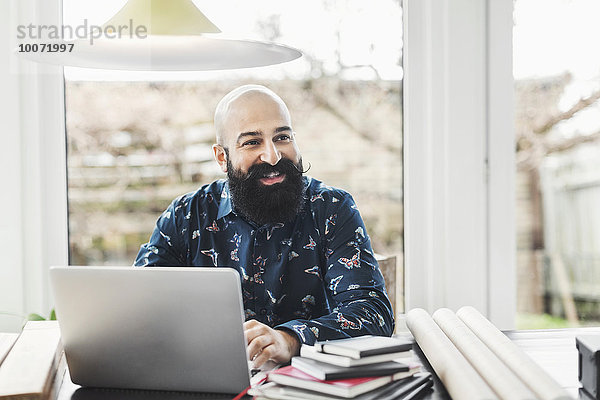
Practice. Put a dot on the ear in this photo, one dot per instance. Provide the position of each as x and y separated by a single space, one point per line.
220 156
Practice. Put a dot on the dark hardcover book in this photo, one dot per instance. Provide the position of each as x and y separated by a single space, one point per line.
405 389
363 346
416 393
324 371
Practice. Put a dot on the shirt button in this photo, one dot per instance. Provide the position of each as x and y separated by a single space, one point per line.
263 311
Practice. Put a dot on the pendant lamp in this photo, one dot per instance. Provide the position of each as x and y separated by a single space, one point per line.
164 35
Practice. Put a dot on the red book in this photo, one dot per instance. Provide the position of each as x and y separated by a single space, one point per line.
347 388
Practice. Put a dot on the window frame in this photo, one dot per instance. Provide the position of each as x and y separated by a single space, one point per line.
459 162
35 230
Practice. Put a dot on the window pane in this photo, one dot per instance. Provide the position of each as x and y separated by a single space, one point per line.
557 83
138 140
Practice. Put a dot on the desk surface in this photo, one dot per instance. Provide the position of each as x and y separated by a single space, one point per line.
554 350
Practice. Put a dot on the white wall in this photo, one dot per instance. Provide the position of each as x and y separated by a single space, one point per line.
11 277
458 149
33 229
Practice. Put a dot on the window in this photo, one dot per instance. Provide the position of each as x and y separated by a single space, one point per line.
557 86
136 141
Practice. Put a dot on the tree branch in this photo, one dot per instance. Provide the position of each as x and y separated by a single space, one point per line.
568 144
580 105
344 67
324 103
532 157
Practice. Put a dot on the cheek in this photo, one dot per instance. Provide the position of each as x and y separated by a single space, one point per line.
290 151
295 153
243 163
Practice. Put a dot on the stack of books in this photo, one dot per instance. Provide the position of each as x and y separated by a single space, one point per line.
32 364
367 367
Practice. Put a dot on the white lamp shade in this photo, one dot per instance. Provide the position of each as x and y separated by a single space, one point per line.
168 53
173 40
164 17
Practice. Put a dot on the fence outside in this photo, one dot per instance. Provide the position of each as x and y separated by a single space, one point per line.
571 194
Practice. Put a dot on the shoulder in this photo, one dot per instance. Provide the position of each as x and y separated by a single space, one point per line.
203 197
321 195
330 207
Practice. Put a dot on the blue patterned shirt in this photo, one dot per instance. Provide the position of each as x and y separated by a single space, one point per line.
315 276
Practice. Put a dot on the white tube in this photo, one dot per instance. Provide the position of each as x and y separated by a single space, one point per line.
458 376
542 384
497 375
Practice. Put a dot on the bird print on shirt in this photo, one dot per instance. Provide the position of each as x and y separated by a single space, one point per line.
212 254
271 297
346 323
300 330
353 262
330 223
318 196
153 249
213 228
243 273
167 238
334 283
313 270
270 230
237 240
311 244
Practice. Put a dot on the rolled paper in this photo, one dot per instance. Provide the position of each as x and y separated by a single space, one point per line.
538 380
458 376
498 376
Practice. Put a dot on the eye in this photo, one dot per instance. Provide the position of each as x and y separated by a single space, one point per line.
284 137
252 142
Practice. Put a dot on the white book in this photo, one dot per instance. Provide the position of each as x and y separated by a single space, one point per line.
363 346
30 368
342 361
7 340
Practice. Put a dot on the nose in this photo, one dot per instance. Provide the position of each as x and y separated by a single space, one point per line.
270 154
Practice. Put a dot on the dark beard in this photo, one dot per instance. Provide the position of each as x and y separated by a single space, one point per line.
262 204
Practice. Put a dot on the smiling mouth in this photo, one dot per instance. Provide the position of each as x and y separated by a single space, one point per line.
272 178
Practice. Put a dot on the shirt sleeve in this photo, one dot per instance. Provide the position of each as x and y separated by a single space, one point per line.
166 245
352 279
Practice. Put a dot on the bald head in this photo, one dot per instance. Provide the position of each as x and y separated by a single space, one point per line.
253 126
234 105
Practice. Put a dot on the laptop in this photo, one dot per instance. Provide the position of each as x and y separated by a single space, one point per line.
152 328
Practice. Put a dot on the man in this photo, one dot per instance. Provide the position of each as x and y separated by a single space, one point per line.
300 247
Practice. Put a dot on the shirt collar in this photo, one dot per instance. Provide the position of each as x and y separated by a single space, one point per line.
225 204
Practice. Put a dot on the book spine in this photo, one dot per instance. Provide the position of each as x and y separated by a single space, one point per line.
7 340
31 365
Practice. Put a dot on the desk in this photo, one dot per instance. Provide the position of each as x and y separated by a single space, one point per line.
553 349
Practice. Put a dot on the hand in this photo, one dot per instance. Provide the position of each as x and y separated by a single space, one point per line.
265 343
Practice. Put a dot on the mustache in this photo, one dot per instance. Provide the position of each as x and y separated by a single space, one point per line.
284 166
